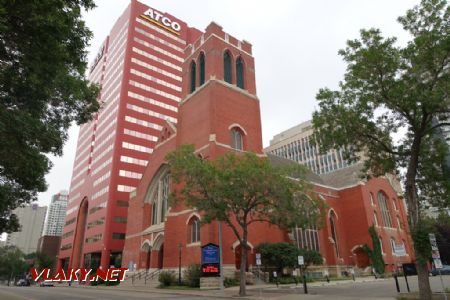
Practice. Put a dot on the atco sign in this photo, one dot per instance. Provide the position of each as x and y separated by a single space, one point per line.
161 20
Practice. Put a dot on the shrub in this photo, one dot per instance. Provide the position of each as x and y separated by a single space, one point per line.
227 282
192 275
167 278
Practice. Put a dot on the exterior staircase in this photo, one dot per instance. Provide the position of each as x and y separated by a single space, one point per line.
142 278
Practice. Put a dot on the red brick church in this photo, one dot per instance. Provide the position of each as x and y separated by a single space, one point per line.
219 112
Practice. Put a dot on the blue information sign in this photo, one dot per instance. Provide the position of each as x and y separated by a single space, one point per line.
210 254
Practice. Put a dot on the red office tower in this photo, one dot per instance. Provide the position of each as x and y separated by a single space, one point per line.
139 70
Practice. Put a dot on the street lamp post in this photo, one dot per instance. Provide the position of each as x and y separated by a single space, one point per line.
220 257
179 263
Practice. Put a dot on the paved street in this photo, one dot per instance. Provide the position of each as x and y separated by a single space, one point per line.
367 288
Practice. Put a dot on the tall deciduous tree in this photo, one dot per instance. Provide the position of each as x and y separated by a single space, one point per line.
241 190
12 263
42 91
389 89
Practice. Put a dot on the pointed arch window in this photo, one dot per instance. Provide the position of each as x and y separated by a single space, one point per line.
201 62
227 66
193 75
158 195
385 213
194 225
236 139
240 73
334 232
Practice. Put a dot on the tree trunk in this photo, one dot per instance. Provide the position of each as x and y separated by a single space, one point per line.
242 273
414 218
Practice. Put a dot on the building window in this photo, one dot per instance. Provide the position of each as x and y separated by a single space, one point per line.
375 219
371 199
334 232
120 219
194 225
240 73
385 214
118 236
193 74
381 245
393 245
399 223
307 238
236 139
201 62
227 66
158 195
393 203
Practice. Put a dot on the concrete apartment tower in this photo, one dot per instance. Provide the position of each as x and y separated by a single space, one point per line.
56 214
31 219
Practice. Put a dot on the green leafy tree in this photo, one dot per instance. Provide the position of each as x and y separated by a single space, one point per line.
282 255
12 262
44 261
241 190
393 90
42 91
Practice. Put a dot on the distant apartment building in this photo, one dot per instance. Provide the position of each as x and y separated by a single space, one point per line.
56 214
31 219
295 144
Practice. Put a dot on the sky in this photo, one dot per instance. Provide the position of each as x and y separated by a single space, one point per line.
295 46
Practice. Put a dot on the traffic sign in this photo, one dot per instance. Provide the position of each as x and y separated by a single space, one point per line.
301 261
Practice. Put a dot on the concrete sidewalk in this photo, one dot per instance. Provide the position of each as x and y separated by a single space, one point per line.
262 291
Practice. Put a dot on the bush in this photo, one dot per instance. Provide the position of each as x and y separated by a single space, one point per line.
192 275
167 278
227 282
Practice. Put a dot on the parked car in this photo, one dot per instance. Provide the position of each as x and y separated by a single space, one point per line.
444 271
23 282
46 283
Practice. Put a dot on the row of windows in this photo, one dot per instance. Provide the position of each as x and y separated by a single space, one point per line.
67 234
385 211
153 90
102 178
77 185
118 236
102 166
153 101
162 41
132 160
94 238
156 80
130 174
160 50
100 193
157 59
120 219
97 207
143 123
122 203
81 172
106 129
140 135
105 119
66 246
307 238
156 69
125 188
136 147
104 152
96 223
163 32
151 113
69 211
70 221
104 141
74 197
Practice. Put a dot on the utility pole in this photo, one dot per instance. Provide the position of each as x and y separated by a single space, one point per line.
220 257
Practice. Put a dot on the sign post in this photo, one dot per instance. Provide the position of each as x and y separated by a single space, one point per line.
301 262
437 259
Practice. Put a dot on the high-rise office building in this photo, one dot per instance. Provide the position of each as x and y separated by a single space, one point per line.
139 71
56 214
295 144
31 220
